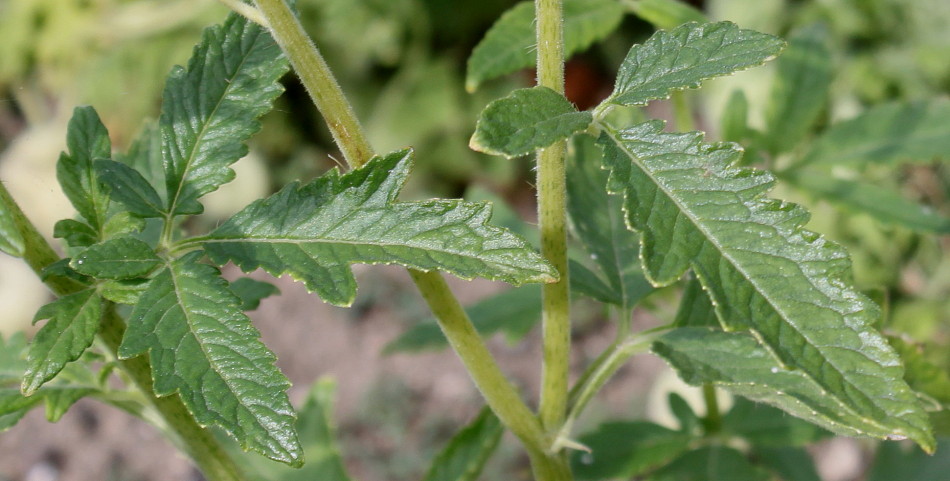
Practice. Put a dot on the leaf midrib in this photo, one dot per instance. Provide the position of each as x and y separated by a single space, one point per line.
710 238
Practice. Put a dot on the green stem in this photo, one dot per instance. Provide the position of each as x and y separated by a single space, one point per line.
552 222
190 437
318 80
682 113
713 419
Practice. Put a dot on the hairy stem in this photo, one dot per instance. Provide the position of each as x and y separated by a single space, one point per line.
190 437
552 221
318 80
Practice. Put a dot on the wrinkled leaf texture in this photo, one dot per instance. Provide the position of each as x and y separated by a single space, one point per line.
762 270
86 140
315 231
72 326
211 108
204 348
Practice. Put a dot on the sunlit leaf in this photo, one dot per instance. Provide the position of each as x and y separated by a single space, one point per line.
119 258
87 140
128 187
315 231
72 326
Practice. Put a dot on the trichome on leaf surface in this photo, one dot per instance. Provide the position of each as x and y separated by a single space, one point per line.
769 310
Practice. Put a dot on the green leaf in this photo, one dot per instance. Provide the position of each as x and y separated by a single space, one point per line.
666 14
87 140
119 258
11 241
734 124
900 462
509 44
929 381
627 449
526 120
764 425
75 233
790 464
710 463
145 157
514 311
128 187
204 348
690 423
685 56
597 220
762 270
737 363
903 131
800 92
314 232
695 309
61 268
464 457
122 224
210 109
73 324
884 205
251 291
123 291
584 282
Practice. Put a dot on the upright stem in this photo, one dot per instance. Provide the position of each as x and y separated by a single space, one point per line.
194 440
318 80
552 208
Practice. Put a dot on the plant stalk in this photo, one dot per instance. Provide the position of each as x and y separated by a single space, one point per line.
318 80
196 441
552 221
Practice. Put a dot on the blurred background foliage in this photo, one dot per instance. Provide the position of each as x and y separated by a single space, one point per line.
403 63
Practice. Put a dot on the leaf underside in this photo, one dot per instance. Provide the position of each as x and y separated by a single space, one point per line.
762 270
683 57
314 232
204 348
211 108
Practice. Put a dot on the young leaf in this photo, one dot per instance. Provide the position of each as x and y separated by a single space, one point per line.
251 291
526 120
737 363
75 233
666 14
123 291
314 232
11 242
687 55
119 258
708 463
800 91
128 187
514 311
87 140
761 269
597 220
123 223
210 109
627 449
887 134
884 205
510 44
73 323
465 455
204 348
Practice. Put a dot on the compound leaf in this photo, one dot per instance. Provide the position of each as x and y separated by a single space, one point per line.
917 131
526 120
204 348
119 258
464 457
211 108
762 270
128 187
510 43
72 326
597 220
737 363
685 56
314 232
87 140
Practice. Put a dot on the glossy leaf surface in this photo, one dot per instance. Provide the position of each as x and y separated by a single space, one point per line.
526 120
211 108
204 348
87 140
128 187
118 258
72 326
314 232
762 270
685 56
509 44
